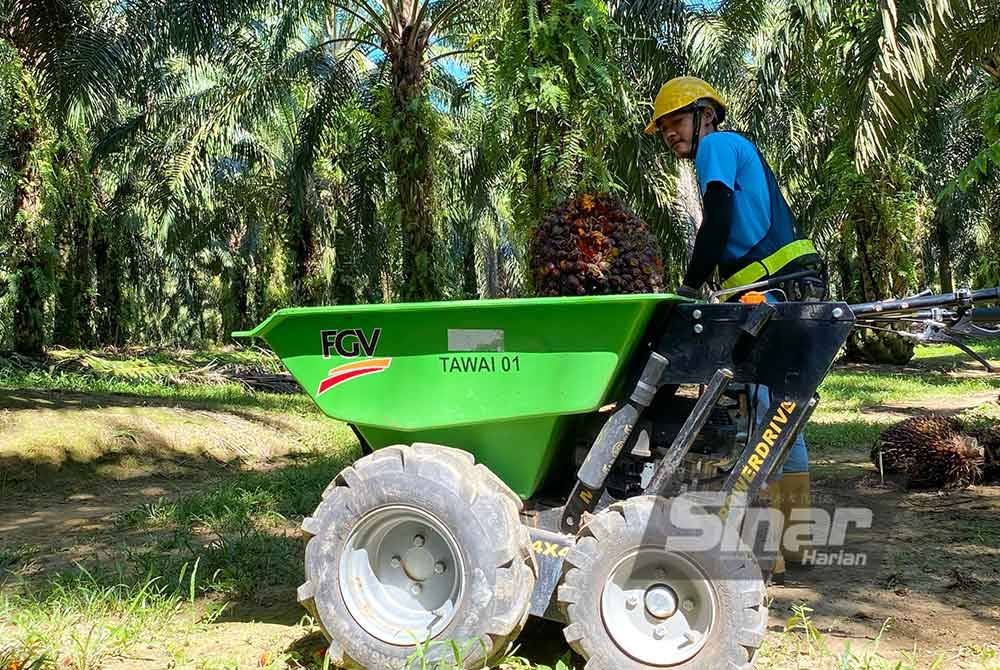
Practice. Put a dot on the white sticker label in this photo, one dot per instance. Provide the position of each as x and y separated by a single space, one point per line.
475 340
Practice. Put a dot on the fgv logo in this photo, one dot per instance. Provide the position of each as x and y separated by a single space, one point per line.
351 343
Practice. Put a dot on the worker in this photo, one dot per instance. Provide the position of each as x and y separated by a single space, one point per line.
747 234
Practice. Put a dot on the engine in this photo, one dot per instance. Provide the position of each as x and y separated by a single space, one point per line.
716 448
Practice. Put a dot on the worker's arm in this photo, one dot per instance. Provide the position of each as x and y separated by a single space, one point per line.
712 236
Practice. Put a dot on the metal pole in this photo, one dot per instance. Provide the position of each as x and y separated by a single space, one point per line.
923 302
664 474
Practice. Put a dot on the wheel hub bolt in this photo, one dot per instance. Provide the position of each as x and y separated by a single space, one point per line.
692 636
439 568
418 541
631 602
658 632
395 561
415 589
688 605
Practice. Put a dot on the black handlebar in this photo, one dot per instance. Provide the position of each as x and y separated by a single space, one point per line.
917 303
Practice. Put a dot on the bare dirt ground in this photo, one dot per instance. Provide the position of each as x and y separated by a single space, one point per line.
932 572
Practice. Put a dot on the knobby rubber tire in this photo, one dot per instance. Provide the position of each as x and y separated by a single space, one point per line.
476 507
741 619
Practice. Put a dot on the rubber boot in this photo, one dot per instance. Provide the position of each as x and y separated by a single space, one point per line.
772 495
795 493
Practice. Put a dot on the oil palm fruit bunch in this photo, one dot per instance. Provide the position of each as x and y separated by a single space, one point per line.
989 440
594 245
879 346
929 452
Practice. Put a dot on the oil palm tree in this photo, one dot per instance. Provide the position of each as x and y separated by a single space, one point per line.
37 41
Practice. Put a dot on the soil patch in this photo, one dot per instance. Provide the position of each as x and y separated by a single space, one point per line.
931 570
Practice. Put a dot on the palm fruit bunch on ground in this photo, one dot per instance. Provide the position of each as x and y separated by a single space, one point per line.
879 346
594 245
989 440
929 452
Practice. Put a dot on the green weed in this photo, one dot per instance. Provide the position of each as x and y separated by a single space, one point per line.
520 663
443 655
801 621
802 644
85 619
15 558
266 498
26 655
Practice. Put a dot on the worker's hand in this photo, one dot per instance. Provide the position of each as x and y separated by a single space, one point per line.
686 292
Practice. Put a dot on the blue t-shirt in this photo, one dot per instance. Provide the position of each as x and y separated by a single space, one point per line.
731 159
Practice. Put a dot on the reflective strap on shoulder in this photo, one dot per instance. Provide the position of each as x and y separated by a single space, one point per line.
758 270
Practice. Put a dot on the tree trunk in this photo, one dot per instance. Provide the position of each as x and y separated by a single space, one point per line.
846 271
345 271
110 275
943 233
74 307
302 218
864 229
236 314
75 303
490 268
411 136
32 267
866 345
470 283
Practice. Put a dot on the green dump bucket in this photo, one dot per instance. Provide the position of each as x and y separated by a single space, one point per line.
498 378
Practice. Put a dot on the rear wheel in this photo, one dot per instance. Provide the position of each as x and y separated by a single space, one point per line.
417 546
632 604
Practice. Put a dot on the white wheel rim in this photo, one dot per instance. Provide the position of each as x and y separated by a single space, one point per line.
401 575
658 607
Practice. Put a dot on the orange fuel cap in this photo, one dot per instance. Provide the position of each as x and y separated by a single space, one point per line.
753 298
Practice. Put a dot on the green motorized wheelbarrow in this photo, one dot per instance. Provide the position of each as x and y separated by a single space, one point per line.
526 458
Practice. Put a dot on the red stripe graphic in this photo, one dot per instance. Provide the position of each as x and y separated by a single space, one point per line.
350 371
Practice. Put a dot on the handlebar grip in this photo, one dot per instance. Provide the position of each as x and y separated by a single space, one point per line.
986 294
910 305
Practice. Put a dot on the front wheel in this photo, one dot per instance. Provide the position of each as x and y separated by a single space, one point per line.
634 604
415 550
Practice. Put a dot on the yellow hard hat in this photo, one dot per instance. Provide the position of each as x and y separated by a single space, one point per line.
678 93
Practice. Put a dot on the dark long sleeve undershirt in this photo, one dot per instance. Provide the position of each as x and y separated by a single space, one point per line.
712 236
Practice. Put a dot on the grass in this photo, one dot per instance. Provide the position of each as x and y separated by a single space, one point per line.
925 377
82 620
220 395
234 543
265 497
841 422
193 565
157 374
803 646
160 374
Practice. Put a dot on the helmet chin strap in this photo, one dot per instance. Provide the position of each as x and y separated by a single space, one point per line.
696 129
